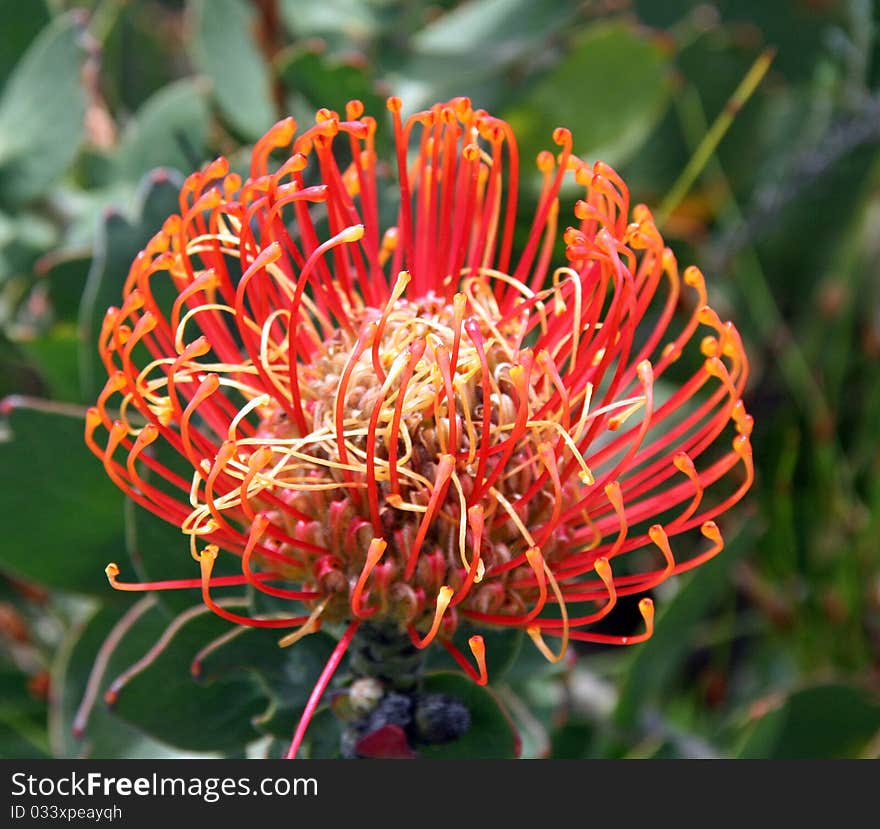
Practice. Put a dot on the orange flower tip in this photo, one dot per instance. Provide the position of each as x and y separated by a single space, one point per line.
471 152
478 649
657 534
352 234
259 524
742 446
148 434
282 131
462 105
586 477
545 161
517 377
683 463
693 277
744 425
394 104
394 500
93 416
710 530
217 168
671 352
709 346
562 136
646 608
645 372
447 115
195 668
111 696
376 550
614 495
210 383
112 572
715 367
209 554
707 316
354 109
535 558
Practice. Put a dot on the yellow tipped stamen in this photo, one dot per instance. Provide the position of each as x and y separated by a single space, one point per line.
445 467
112 573
517 521
534 631
444 596
646 608
462 520
537 563
311 625
576 323
397 502
478 649
389 245
658 535
374 554
615 498
603 571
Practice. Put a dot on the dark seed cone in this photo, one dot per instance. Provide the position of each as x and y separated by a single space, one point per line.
383 652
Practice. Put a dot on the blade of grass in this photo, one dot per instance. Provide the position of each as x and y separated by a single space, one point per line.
712 137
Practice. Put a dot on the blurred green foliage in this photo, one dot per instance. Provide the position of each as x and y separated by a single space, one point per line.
771 650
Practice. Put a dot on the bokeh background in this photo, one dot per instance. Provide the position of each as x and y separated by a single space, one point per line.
751 128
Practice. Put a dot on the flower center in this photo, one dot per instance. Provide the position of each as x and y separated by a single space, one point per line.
408 416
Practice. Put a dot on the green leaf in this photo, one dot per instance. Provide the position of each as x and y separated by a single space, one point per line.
656 661
288 674
165 701
467 50
610 90
169 130
21 24
491 30
223 48
22 718
62 516
18 375
65 277
54 354
491 735
323 736
118 242
38 141
105 736
832 720
352 19
329 82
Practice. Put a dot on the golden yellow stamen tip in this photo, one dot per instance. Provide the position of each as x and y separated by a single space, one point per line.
352 234
657 534
711 531
603 569
646 608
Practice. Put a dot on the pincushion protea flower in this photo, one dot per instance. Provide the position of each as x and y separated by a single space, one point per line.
410 426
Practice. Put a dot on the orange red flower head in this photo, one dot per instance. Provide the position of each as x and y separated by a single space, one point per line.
416 416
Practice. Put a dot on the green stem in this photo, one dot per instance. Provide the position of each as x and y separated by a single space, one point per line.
712 137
